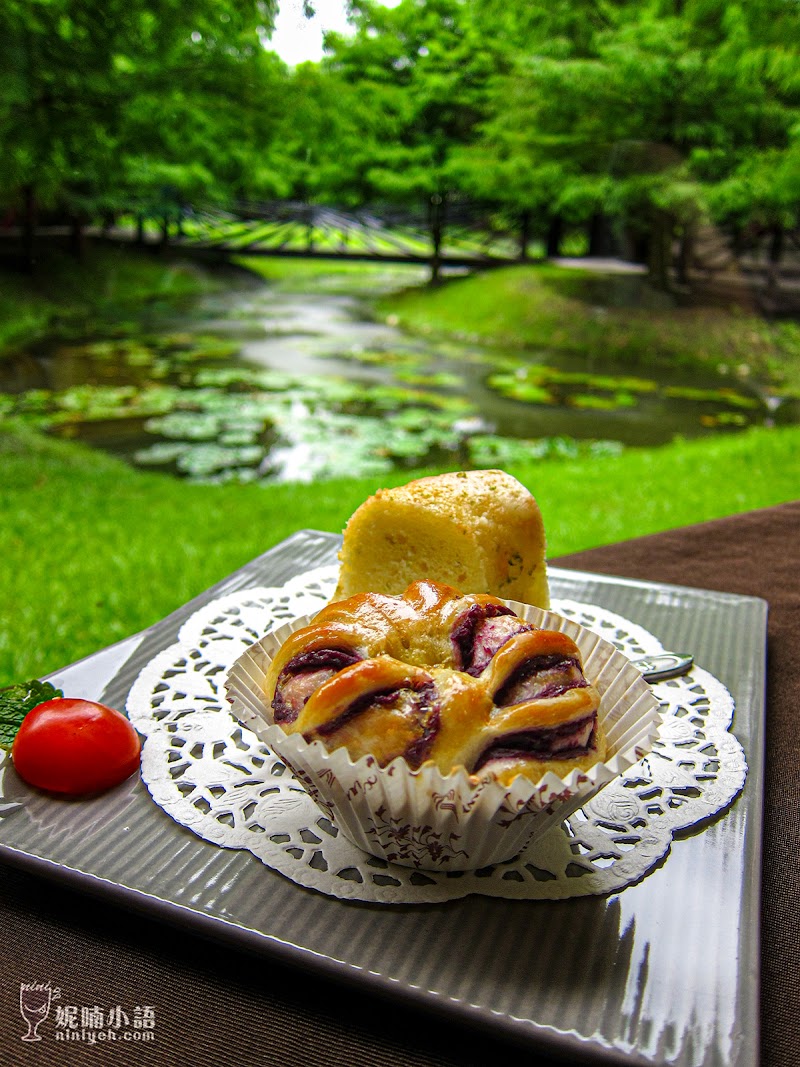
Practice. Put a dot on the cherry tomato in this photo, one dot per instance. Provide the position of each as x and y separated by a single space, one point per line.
75 746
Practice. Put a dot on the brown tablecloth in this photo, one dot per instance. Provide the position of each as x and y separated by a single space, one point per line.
217 1006
756 554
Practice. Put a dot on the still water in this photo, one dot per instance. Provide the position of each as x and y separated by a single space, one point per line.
260 383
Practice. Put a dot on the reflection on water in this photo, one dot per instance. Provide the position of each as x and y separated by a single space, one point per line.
263 384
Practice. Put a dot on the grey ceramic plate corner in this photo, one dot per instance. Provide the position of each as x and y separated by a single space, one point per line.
666 972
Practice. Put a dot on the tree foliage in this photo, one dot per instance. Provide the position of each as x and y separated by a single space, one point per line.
645 120
661 113
101 101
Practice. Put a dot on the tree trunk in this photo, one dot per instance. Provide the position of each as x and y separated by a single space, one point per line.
524 234
600 237
28 227
555 233
685 252
775 253
77 237
436 225
164 229
660 246
776 244
140 229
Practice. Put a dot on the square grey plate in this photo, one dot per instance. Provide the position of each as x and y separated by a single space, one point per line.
666 972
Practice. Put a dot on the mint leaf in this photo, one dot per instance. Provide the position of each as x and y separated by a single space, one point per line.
15 703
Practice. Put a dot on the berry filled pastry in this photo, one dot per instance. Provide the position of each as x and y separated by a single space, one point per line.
437 677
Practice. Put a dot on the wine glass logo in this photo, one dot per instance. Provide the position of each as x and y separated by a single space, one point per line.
34 1006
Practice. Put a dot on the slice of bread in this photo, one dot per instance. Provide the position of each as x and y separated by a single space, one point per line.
478 531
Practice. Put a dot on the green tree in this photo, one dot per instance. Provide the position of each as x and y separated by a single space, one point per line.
661 113
79 77
322 144
418 75
206 135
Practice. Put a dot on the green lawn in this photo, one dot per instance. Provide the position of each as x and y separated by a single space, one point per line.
93 550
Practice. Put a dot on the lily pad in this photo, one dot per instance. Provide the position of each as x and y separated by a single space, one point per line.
377 357
186 426
439 380
207 350
206 459
160 453
610 383
724 418
491 451
517 388
590 402
725 396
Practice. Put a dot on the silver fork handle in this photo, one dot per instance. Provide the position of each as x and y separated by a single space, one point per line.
665 665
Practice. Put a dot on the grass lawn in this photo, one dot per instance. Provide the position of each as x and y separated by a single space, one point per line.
94 551
322 275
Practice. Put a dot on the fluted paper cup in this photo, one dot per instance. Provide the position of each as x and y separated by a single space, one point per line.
425 819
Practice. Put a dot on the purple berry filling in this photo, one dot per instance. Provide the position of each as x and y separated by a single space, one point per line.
420 702
303 675
541 677
480 632
568 741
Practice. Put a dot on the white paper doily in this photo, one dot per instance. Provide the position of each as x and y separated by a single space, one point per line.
216 778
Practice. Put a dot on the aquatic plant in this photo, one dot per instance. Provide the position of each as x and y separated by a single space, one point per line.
720 396
609 402
486 450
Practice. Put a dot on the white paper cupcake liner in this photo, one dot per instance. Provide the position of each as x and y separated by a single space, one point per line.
432 821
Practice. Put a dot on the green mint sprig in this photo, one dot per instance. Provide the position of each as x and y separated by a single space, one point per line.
15 703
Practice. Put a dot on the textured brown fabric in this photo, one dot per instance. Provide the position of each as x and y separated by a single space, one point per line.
757 554
213 1006
216 1006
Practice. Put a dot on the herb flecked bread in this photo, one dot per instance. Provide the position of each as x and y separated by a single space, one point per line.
478 531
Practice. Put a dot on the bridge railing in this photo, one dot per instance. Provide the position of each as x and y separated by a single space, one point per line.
462 233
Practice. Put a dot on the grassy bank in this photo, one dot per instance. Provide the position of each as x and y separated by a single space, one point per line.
108 285
93 550
606 317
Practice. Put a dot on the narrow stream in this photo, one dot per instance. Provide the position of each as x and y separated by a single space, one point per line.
261 383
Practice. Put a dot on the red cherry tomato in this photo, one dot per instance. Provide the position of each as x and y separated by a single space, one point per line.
75 746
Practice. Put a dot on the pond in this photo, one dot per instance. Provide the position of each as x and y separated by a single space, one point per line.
260 383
